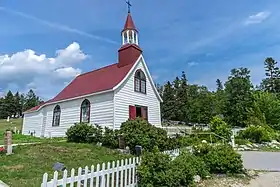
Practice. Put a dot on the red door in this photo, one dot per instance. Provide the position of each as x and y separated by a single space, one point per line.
144 113
132 112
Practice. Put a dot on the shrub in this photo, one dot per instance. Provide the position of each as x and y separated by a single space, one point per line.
84 133
153 170
257 134
157 169
140 132
187 161
223 159
221 128
110 138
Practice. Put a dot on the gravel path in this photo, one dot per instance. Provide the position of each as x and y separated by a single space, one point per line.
270 179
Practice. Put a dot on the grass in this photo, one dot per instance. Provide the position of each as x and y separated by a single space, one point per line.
11 124
25 168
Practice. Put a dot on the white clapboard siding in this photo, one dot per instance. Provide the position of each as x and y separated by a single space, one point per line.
113 174
101 113
125 96
32 122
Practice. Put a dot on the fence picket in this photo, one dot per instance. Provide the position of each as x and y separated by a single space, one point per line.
129 171
91 176
64 178
103 175
108 174
79 177
97 176
72 177
122 166
45 180
133 171
55 179
118 173
113 174
125 172
86 176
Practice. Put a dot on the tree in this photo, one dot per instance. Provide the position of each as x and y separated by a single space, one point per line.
182 99
167 107
18 106
272 81
238 97
219 85
31 100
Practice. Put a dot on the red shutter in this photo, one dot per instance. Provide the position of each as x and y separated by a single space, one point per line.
132 112
144 113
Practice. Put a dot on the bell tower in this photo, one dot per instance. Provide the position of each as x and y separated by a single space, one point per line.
130 44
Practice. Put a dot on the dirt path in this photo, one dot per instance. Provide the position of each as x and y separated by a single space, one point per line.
270 179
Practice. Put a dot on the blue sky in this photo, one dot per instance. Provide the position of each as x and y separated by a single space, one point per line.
45 43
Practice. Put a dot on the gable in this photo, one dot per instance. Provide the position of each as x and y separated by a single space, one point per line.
140 61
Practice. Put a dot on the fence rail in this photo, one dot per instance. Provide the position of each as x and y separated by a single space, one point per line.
113 174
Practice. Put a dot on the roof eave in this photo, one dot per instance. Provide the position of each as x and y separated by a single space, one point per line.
70 99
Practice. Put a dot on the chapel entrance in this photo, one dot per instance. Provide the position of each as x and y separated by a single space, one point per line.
138 111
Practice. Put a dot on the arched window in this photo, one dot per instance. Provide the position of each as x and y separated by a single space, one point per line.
56 116
85 111
140 81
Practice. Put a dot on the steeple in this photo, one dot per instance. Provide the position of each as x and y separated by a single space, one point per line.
130 50
129 33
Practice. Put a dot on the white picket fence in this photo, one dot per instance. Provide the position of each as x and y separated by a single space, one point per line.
115 174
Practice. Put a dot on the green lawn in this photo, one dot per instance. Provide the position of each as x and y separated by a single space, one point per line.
17 138
25 168
11 124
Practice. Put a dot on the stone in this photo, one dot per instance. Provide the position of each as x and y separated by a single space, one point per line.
274 142
204 141
8 142
197 178
121 142
252 173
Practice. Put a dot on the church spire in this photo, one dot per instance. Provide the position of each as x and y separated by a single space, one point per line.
129 33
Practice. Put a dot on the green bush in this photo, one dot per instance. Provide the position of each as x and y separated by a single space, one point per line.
257 134
154 170
196 165
221 128
223 159
110 138
157 169
140 132
84 133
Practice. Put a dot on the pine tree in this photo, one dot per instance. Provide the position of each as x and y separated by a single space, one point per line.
31 100
272 81
219 85
168 106
182 99
18 106
238 97
10 105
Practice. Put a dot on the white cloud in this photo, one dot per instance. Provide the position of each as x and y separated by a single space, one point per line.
257 18
191 64
26 69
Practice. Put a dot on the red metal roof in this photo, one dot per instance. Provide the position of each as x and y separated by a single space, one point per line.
129 24
99 80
